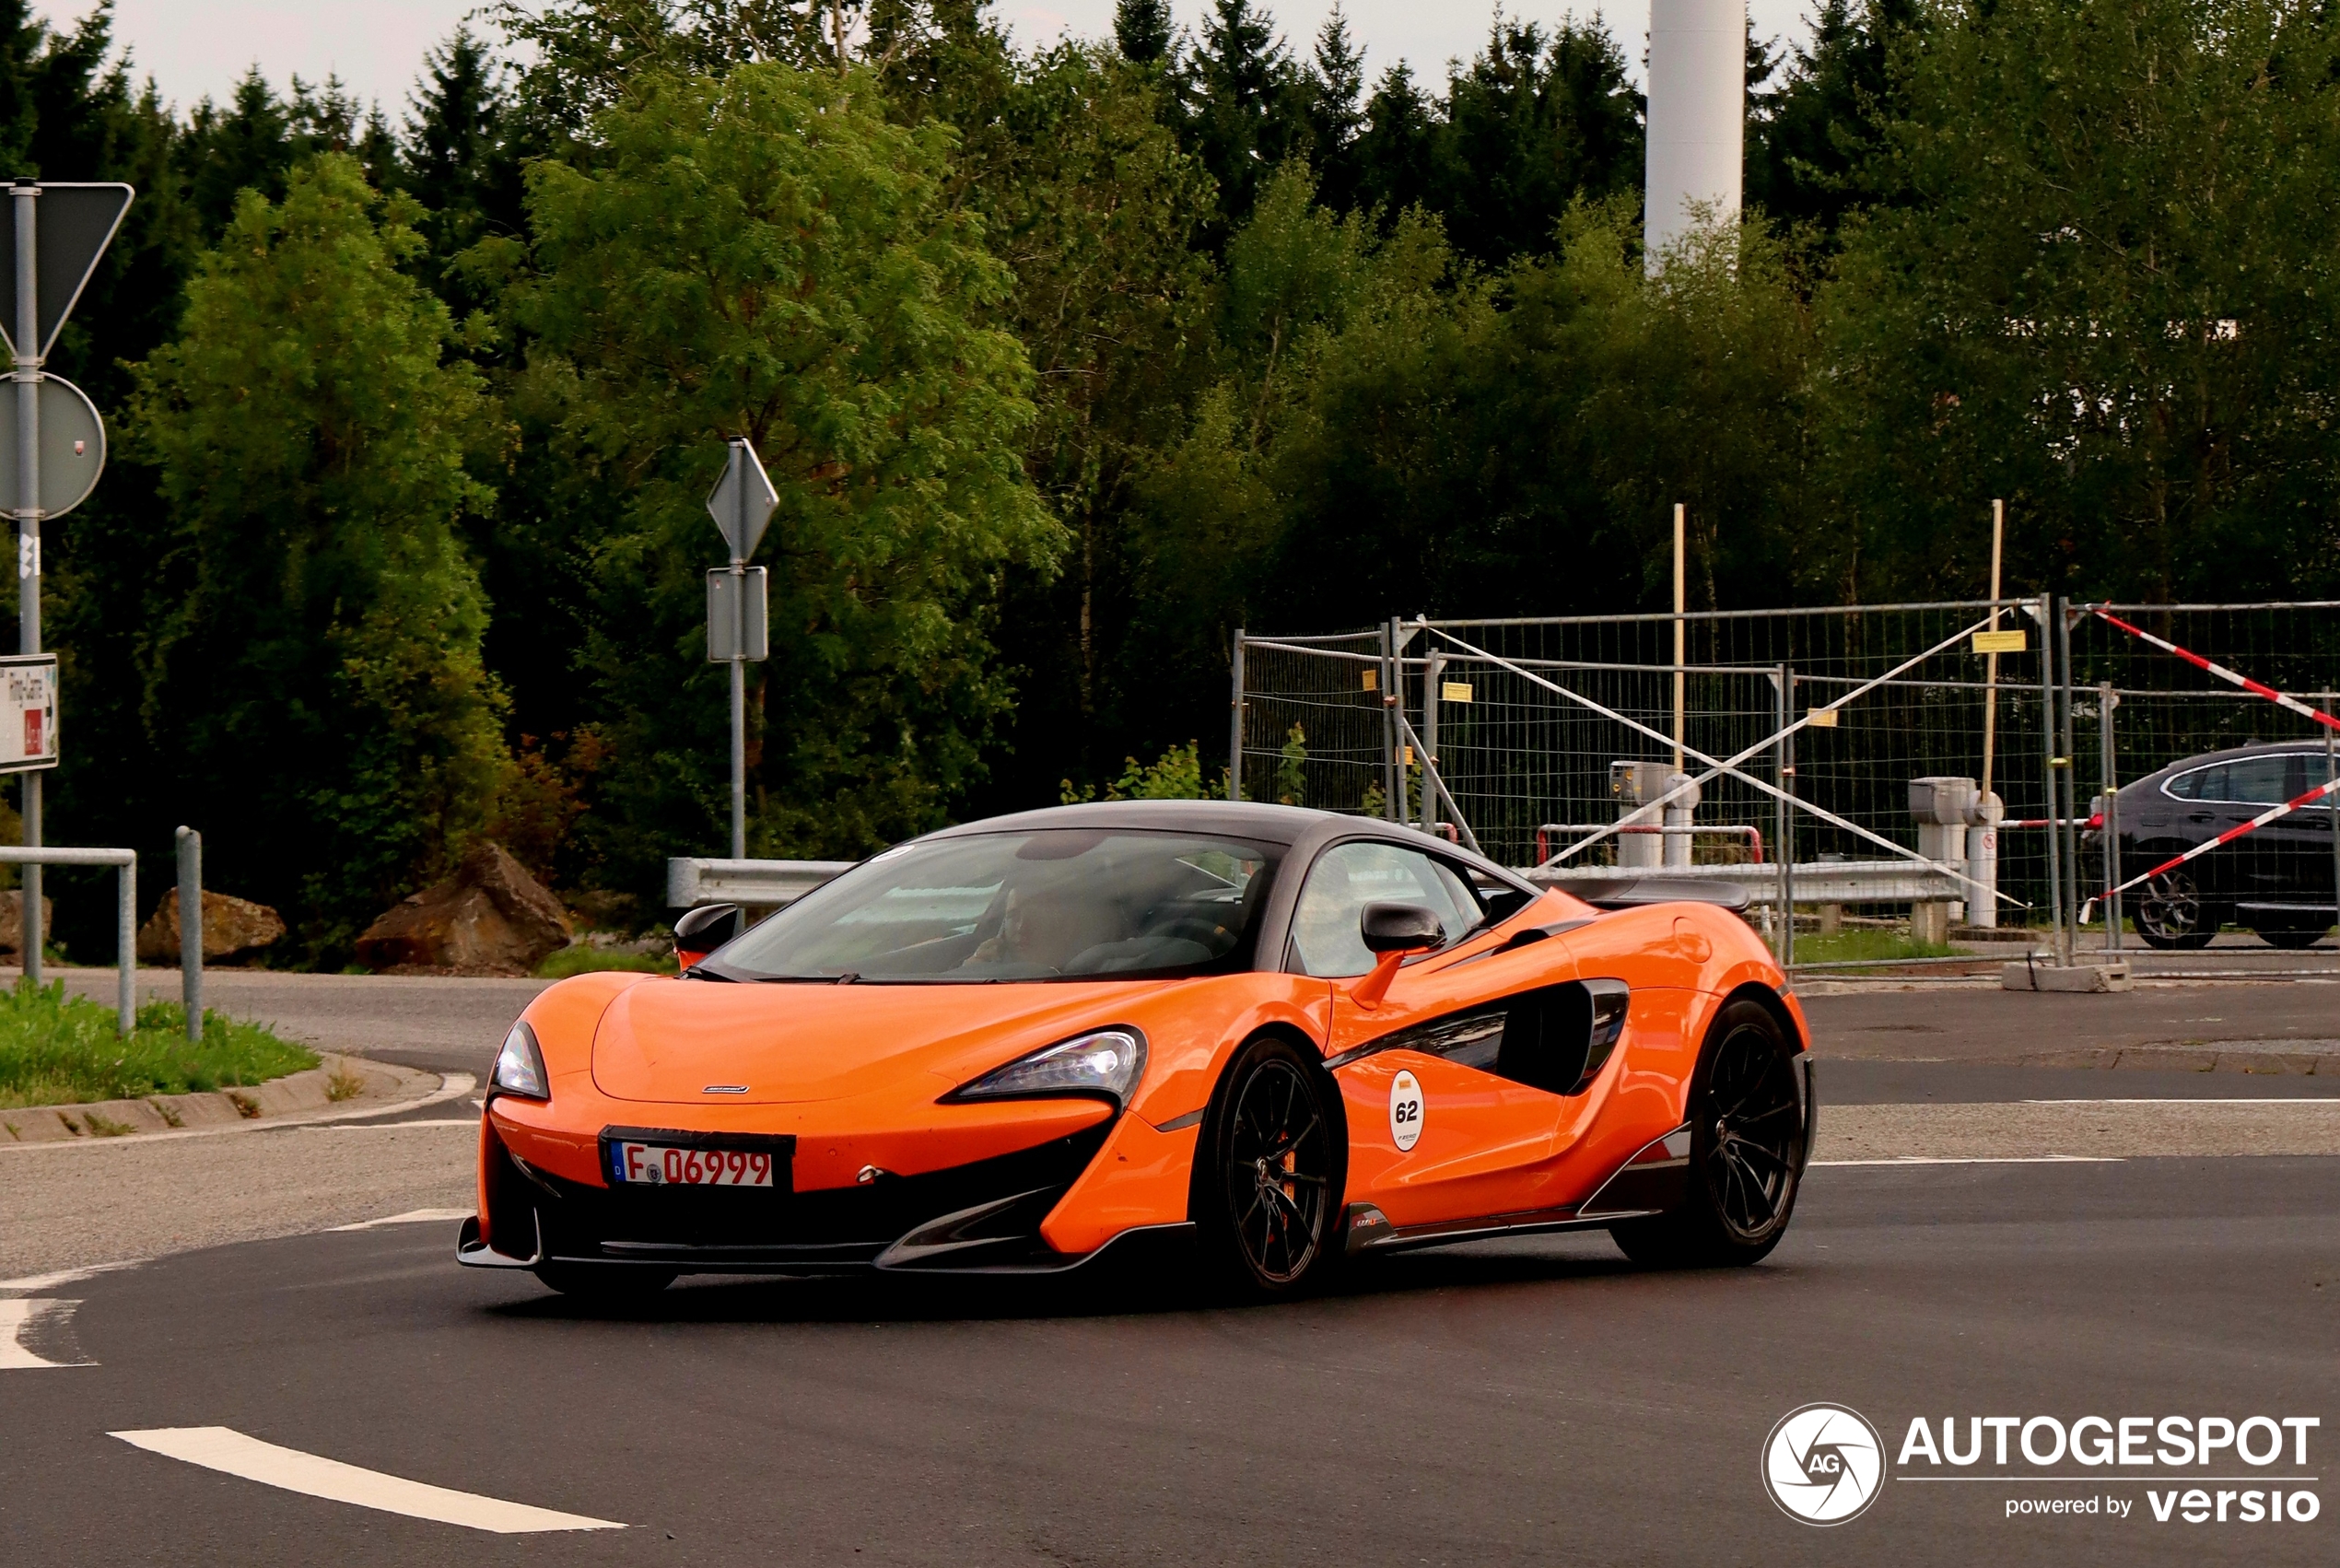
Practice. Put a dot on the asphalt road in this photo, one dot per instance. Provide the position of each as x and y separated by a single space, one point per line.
1538 1401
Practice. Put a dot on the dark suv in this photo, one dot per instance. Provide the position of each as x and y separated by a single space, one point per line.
2277 880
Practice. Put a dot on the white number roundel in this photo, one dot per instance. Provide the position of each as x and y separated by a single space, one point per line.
1405 1110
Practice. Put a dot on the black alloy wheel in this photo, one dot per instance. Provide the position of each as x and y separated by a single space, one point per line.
2172 915
1749 1121
1269 1170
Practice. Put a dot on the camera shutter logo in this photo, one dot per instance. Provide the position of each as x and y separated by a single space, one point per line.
1823 1464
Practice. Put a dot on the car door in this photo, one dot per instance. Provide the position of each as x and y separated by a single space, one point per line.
1444 1122
2262 863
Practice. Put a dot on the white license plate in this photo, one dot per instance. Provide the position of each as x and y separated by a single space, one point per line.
660 1165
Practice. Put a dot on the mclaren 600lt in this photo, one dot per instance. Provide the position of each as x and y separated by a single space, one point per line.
1291 1035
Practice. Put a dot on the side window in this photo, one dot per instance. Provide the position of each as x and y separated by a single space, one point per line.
1346 878
2261 780
2202 784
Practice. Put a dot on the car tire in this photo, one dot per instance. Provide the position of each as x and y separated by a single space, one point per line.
1750 1120
2291 939
1270 1171
2172 916
604 1284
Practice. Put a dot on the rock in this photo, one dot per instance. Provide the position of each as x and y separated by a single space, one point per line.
12 921
232 928
490 916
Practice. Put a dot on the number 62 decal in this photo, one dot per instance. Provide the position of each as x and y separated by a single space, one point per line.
1405 1110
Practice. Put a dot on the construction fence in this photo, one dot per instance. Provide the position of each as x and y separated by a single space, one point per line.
1948 759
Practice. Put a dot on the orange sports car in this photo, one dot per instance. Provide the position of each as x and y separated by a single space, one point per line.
1291 1035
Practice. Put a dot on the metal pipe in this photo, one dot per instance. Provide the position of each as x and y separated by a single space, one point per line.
191 930
2331 807
2071 772
26 197
1785 843
2106 701
1681 632
1393 778
1433 673
125 912
1234 724
1991 661
2048 760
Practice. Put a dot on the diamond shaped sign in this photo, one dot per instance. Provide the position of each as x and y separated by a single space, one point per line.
743 500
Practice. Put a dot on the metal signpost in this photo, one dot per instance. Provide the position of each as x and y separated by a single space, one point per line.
738 604
51 249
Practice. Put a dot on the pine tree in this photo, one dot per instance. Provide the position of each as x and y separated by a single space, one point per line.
1142 30
1249 110
1393 151
461 160
1336 110
1806 151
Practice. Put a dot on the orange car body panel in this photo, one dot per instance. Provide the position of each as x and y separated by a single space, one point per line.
859 1074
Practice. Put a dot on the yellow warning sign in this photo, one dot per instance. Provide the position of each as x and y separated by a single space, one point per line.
1454 691
1822 719
1373 680
1999 642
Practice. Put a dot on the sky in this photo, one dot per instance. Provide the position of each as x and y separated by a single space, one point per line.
198 48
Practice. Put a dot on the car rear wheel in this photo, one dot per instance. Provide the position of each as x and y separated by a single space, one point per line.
605 1283
2171 914
2289 937
1751 1118
1269 1171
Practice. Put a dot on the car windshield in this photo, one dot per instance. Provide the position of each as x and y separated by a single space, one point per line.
1050 904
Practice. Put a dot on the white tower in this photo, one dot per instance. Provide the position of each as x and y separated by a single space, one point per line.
1697 116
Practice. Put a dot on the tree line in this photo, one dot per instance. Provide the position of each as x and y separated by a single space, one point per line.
1067 359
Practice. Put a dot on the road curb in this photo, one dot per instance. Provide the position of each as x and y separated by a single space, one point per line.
413 1090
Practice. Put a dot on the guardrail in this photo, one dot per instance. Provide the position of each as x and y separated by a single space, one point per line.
125 913
768 884
1813 882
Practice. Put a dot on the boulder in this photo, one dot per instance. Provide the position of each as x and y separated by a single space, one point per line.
491 916
12 921
233 929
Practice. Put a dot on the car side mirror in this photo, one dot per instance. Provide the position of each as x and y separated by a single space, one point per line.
1399 928
1393 931
703 930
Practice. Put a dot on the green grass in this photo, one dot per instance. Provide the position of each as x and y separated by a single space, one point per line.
56 1049
584 960
1845 946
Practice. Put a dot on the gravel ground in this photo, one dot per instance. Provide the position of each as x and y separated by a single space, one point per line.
2099 1129
69 1206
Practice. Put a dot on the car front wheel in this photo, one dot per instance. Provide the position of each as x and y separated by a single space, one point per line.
1269 1171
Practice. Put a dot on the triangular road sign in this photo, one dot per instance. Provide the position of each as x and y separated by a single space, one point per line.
75 223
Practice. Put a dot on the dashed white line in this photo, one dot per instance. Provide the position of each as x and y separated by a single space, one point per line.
15 1317
224 1449
412 1217
2253 1100
1983 1160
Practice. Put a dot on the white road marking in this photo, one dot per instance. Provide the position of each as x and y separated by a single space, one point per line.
224 1449
2254 1100
412 1217
19 1314
394 1125
1983 1160
31 1282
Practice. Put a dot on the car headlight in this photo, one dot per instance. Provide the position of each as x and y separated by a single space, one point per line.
520 1066
1104 1062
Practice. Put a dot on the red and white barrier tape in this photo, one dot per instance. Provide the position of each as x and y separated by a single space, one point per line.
2231 834
2291 703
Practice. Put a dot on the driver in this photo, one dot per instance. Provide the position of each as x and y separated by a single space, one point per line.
1040 926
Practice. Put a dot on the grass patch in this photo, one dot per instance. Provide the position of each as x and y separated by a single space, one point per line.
56 1049
583 959
1846 946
